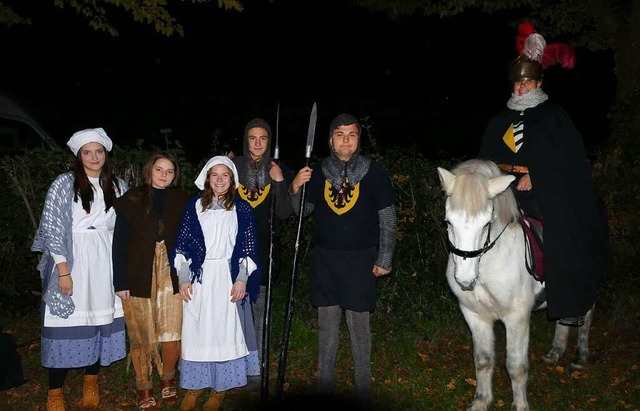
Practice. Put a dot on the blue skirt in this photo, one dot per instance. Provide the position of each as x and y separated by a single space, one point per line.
74 347
224 375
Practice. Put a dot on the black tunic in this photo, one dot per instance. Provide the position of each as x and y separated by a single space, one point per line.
576 238
346 239
260 200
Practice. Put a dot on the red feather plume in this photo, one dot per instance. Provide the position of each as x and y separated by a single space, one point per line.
558 53
524 29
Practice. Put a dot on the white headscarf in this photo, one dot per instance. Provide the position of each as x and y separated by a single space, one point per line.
214 161
90 135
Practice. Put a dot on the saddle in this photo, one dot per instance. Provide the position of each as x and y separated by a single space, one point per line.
534 259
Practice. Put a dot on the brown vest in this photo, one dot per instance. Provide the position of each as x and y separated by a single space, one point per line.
142 240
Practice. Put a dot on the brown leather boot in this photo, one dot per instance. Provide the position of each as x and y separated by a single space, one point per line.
214 401
169 391
55 400
147 402
190 400
90 396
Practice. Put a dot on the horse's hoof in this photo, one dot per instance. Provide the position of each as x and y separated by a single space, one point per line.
549 359
577 366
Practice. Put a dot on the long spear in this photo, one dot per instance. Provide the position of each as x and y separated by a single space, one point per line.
266 325
282 363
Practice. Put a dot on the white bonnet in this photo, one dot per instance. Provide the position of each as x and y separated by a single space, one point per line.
90 135
214 161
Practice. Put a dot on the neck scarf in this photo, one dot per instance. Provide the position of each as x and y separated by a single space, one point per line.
527 100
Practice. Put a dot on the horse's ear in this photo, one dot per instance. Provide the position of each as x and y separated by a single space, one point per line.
446 180
499 184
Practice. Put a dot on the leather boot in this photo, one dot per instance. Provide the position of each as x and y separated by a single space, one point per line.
190 400
90 396
146 401
214 401
55 400
169 391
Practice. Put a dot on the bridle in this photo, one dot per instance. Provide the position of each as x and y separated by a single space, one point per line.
488 245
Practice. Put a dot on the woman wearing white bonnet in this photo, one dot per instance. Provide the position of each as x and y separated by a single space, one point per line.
90 135
215 255
83 325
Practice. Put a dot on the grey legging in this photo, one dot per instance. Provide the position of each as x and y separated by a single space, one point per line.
328 338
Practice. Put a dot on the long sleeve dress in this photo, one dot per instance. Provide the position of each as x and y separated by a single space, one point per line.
95 329
218 339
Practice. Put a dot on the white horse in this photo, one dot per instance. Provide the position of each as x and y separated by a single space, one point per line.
488 274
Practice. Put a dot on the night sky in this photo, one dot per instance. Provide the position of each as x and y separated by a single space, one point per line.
421 82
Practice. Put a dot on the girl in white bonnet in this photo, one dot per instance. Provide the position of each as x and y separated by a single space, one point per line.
216 255
83 324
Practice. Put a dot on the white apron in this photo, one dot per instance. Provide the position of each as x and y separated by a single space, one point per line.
92 272
211 328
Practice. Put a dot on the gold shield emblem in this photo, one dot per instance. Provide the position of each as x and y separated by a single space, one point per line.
342 200
254 197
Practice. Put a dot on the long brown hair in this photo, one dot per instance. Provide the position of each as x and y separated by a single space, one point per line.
147 177
227 200
82 187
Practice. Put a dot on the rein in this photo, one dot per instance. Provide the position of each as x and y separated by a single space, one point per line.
488 245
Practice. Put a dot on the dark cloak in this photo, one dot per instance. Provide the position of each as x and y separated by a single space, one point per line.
576 238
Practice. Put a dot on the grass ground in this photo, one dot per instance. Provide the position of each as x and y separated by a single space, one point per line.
418 364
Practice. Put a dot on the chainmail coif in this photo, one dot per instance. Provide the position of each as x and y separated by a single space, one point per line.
254 175
349 172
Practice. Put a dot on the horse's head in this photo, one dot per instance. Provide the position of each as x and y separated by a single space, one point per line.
471 207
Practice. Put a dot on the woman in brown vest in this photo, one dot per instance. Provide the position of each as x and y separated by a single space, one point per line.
146 227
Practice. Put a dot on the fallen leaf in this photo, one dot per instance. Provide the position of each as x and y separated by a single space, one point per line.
576 374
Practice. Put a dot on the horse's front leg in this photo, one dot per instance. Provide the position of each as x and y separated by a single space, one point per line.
517 335
484 358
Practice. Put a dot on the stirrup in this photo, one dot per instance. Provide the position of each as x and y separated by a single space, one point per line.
572 321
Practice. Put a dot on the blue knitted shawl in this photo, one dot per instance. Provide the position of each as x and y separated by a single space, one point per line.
190 243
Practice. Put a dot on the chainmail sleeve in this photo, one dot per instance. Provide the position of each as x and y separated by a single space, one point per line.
388 227
283 207
295 203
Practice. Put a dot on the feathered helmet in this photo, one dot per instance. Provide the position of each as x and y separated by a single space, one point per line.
535 55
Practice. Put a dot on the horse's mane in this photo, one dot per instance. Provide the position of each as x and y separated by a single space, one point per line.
470 191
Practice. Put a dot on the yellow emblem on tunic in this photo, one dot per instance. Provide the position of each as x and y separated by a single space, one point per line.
254 197
342 200
509 139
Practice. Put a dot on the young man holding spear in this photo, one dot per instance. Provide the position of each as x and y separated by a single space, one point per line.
263 184
353 244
